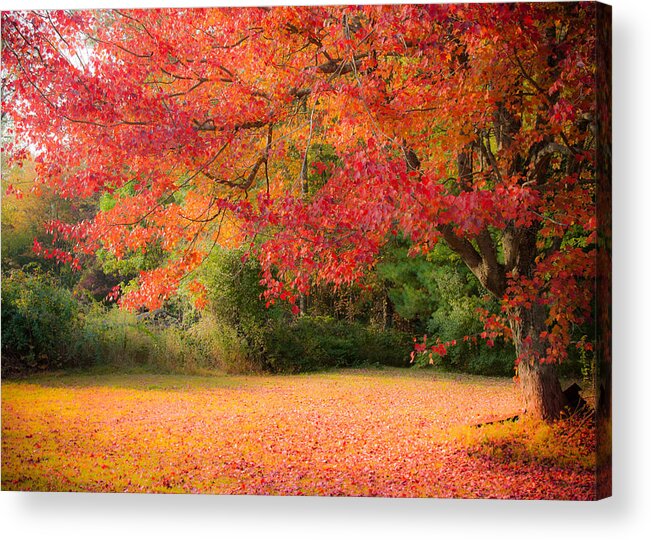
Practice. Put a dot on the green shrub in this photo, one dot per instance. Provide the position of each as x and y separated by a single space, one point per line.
456 318
115 337
246 335
44 326
241 319
40 321
313 343
125 340
496 361
386 347
220 347
439 296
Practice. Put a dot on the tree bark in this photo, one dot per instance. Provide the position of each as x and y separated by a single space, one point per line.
541 390
539 384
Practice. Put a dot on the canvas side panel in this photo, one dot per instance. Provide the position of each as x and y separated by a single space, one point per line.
604 250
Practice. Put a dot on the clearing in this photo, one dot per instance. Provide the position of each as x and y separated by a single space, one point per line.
366 432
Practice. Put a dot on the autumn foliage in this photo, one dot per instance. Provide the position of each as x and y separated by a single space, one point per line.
474 124
353 433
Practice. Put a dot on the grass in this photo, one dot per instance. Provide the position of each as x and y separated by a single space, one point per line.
367 432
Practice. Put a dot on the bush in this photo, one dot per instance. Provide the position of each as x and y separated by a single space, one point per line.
241 319
221 347
455 318
44 326
40 321
249 336
115 337
313 343
496 361
118 338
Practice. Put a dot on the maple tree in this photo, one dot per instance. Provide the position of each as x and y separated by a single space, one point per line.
474 124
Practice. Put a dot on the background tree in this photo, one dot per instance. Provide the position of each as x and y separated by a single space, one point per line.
474 124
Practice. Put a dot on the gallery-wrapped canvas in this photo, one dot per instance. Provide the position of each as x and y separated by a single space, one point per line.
308 250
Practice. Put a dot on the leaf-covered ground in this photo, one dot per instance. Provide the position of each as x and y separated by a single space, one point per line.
392 433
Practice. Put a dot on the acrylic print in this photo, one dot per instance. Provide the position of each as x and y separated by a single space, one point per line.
336 251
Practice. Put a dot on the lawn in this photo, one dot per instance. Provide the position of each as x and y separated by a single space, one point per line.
389 432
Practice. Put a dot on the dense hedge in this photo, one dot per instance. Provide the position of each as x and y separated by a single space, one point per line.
253 336
313 343
44 326
40 320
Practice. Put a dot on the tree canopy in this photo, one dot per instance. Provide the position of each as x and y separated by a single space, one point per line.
470 123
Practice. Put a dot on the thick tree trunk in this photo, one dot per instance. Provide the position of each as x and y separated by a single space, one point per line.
541 389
